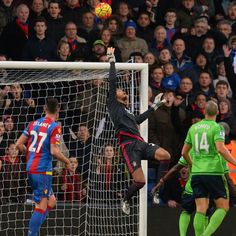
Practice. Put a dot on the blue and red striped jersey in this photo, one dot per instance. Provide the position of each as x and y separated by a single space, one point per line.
41 134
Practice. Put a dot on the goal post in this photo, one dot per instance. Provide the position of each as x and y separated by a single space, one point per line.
93 215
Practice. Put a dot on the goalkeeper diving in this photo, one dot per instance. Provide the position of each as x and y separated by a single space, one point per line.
133 146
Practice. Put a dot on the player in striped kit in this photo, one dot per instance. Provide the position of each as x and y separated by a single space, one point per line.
39 142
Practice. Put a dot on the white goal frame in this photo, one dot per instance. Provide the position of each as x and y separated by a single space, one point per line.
142 67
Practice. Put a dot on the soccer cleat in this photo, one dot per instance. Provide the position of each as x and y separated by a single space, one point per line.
125 207
155 198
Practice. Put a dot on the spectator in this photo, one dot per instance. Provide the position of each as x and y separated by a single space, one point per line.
161 129
211 54
171 79
3 140
164 57
170 24
201 31
156 77
15 34
110 174
205 84
63 51
231 15
196 109
36 10
180 60
150 58
10 129
173 189
88 29
159 42
200 65
114 24
225 115
124 12
137 57
78 44
12 177
221 90
40 47
55 21
155 11
73 11
225 28
6 13
72 183
130 42
186 89
106 37
186 15
144 26
20 108
98 50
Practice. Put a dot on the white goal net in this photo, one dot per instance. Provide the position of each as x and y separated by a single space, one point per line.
88 201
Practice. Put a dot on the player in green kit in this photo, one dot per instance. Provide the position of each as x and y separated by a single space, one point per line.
206 139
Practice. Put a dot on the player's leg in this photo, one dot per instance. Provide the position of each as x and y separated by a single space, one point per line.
41 185
200 193
222 207
200 215
218 188
188 205
51 204
138 183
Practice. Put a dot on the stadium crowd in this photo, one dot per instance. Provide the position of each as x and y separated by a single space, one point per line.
190 46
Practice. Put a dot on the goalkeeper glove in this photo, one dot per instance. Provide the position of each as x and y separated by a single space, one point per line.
158 101
110 54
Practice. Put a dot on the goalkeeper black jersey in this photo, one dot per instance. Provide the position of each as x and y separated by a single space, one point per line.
125 122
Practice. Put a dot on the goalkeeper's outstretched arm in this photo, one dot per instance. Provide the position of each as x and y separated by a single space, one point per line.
112 77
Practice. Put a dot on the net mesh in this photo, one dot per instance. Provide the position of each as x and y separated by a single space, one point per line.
89 200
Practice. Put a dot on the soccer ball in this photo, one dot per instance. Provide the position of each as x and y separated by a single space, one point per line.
103 10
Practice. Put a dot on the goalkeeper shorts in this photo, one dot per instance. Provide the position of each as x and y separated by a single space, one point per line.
135 151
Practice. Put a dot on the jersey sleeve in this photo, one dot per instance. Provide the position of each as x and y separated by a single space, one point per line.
188 138
219 134
27 131
183 162
55 135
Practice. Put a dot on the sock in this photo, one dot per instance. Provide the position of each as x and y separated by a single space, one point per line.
199 223
184 220
36 221
133 189
215 221
46 213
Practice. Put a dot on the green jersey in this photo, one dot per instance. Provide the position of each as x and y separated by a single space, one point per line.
188 188
202 137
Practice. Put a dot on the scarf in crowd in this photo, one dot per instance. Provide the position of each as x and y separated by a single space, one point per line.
23 27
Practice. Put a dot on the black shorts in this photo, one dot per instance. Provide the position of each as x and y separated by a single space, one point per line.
210 186
135 151
188 203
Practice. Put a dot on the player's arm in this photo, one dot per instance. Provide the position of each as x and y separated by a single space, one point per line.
156 104
56 152
20 143
55 149
112 77
175 169
220 146
185 153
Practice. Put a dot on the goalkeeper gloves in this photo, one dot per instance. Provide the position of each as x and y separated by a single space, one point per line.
110 54
158 101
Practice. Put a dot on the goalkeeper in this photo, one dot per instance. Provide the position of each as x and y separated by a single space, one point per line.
133 147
